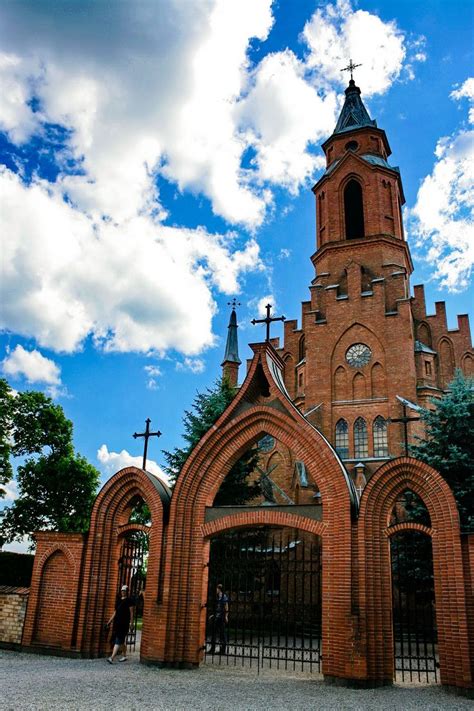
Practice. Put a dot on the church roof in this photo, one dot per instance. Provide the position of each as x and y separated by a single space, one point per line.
353 114
422 348
232 345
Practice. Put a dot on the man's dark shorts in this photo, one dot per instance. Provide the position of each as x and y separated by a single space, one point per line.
120 637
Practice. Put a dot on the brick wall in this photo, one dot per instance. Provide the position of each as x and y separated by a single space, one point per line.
13 602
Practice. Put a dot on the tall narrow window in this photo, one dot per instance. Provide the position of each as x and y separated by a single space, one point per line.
360 438
342 439
380 437
353 210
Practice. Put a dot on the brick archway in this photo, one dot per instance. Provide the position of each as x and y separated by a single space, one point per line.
200 479
109 521
374 534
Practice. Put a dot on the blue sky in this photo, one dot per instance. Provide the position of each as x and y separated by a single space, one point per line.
157 160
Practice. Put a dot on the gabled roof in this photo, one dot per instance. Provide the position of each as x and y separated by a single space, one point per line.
353 114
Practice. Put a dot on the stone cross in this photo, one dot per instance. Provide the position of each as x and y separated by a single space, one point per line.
146 435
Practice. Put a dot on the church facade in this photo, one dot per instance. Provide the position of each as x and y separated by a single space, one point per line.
318 571
366 353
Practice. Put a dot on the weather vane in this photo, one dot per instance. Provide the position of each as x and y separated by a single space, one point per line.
350 68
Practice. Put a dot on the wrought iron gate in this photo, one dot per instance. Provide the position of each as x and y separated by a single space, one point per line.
414 621
132 572
272 579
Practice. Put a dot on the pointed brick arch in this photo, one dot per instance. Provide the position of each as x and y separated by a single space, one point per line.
109 520
377 502
238 428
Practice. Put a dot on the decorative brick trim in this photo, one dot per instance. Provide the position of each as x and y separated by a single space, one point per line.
259 518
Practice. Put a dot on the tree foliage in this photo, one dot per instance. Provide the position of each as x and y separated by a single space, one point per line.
207 407
449 443
56 486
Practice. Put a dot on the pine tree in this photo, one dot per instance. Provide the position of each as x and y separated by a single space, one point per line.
449 443
206 409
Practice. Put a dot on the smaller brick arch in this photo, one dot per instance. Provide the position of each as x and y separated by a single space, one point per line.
259 518
446 361
340 384
55 594
377 501
377 381
423 333
109 521
359 387
467 365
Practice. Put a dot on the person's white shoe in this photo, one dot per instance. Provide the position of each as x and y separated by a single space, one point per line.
123 659
110 660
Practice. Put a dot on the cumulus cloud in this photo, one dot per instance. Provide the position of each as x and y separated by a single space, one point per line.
10 492
466 91
195 365
336 32
153 372
129 286
112 462
442 218
150 90
34 367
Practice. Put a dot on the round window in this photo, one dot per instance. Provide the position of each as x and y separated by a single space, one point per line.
267 443
358 355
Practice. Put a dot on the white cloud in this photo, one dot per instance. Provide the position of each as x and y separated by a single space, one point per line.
112 462
22 546
195 365
466 90
10 492
442 218
336 33
284 253
153 372
129 285
146 90
34 367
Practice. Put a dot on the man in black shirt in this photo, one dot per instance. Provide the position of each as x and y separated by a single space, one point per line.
122 620
219 621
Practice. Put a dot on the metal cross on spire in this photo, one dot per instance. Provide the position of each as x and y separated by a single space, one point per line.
234 303
147 434
267 320
350 68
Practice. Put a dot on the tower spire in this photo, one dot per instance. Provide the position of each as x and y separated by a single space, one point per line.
231 362
353 114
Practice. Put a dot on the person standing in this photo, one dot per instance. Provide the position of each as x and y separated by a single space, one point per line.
220 621
122 619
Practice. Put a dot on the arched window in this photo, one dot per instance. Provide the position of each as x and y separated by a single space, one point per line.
353 210
342 439
380 437
360 438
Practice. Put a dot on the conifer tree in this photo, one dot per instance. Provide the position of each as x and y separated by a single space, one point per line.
449 443
206 409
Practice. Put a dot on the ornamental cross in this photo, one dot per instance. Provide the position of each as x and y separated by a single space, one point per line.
267 320
234 303
147 434
405 420
350 68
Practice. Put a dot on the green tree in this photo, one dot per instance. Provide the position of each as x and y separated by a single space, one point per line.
207 407
56 486
449 443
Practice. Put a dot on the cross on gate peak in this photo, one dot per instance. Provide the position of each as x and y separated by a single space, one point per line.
267 320
146 435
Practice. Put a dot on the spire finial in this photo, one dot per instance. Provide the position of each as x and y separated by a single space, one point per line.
350 68
234 303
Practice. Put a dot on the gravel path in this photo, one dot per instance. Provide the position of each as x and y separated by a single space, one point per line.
29 681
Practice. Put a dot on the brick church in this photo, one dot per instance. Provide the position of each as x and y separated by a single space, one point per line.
366 353
321 573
